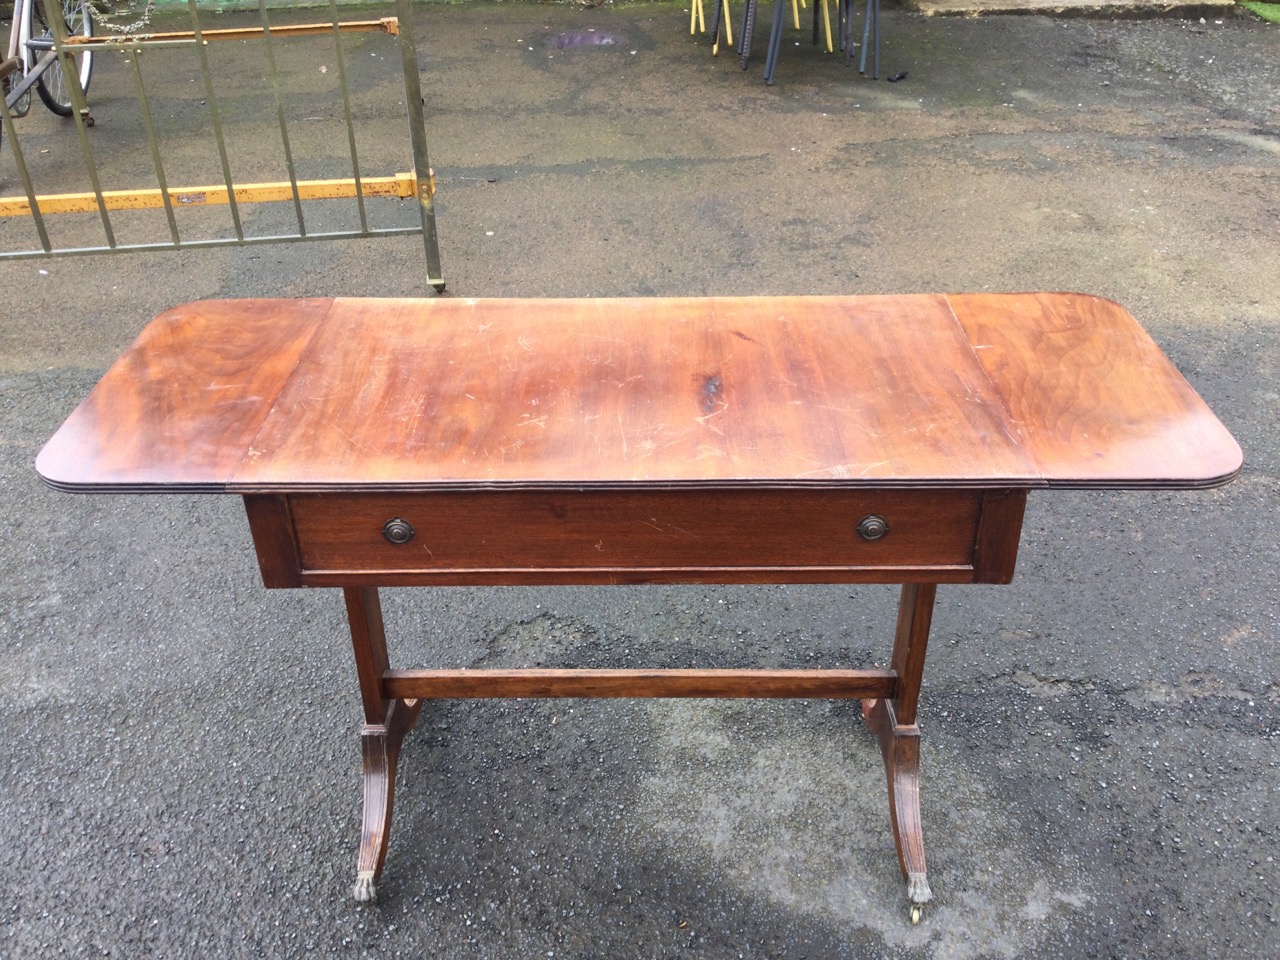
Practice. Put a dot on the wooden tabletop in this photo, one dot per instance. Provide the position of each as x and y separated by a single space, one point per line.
1008 390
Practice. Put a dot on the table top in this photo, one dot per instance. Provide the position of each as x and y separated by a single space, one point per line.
920 391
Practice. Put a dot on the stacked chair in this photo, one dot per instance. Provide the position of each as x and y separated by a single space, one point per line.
721 18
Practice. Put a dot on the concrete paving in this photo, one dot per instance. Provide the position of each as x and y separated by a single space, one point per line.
1128 9
178 758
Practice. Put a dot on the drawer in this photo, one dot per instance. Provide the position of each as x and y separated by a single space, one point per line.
617 536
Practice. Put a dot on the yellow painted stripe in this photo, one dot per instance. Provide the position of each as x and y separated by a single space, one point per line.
386 25
401 185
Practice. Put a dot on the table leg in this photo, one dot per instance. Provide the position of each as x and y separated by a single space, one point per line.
385 726
380 746
894 724
893 721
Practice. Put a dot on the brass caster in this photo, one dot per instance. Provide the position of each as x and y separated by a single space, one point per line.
917 913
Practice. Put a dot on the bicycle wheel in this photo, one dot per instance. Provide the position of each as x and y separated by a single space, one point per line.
22 105
52 85
26 60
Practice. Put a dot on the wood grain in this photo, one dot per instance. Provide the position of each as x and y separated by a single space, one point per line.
580 682
1091 396
274 539
369 643
981 391
633 392
900 750
687 528
180 409
995 546
910 643
663 440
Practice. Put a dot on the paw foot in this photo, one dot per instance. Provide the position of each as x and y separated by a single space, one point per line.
918 891
365 890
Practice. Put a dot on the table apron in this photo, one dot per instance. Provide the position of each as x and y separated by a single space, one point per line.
543 537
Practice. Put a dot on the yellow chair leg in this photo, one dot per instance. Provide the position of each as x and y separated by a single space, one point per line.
795 12
826 19
697 19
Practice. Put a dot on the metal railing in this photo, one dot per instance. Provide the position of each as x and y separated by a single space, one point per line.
417 183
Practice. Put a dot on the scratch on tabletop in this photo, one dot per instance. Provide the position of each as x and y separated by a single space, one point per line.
668 528
706 421
357 444
844 469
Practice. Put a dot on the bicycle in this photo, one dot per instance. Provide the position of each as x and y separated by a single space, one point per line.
32 61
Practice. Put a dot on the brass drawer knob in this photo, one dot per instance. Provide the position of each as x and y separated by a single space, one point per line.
872 527
397 531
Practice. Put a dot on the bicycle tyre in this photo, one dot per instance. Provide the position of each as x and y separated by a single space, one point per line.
52 85
27 58
23 104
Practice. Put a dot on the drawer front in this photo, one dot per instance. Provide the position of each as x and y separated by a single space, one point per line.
634 536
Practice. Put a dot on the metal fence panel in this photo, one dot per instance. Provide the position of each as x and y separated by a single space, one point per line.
299 191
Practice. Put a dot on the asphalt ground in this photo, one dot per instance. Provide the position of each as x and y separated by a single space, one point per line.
179 746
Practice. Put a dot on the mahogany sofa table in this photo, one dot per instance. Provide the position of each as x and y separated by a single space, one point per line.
734 440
